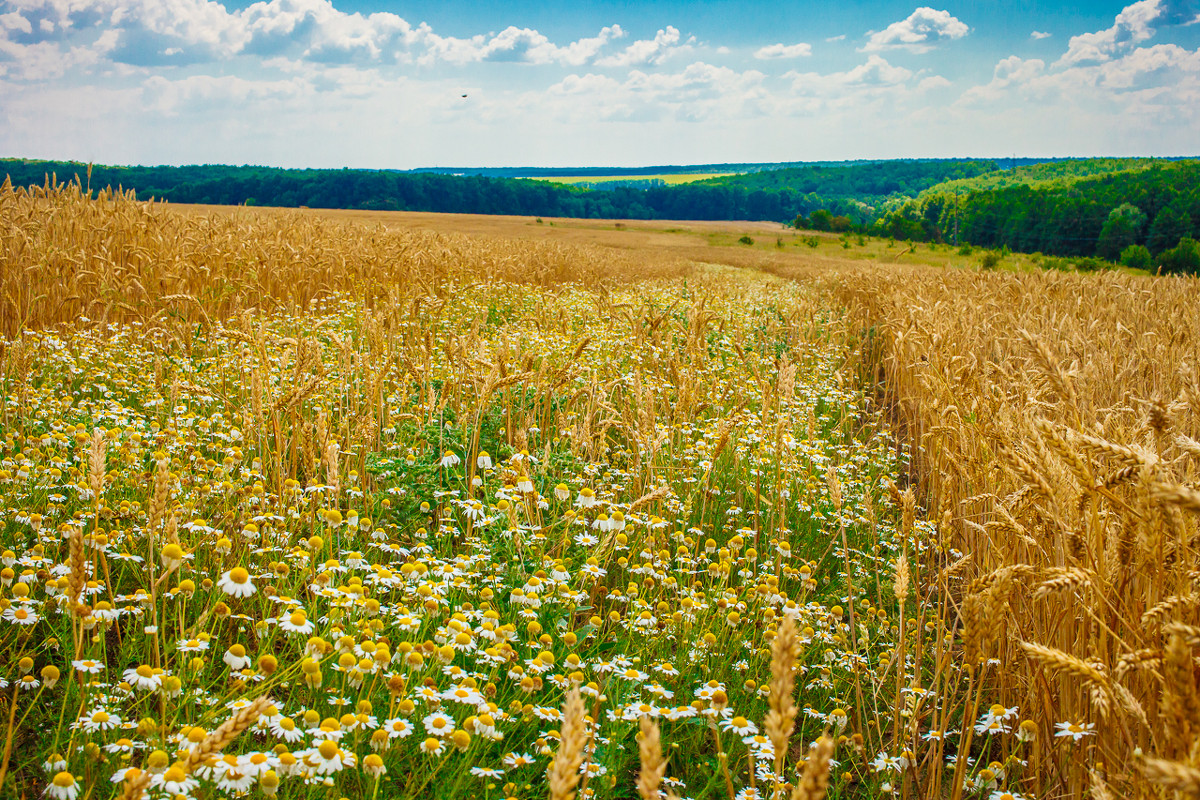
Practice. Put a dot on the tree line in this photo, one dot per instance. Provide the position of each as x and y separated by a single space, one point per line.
1144 217
856 191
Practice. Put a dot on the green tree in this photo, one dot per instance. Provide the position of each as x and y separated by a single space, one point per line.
1171 225
821 220
1136 256
1122 228
1182 259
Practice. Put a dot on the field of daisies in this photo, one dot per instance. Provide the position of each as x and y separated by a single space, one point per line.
360 549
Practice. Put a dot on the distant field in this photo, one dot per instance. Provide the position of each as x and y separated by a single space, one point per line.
669 178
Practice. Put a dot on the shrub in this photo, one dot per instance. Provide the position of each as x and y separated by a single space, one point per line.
1182 259
746 240
1136 256
991 260
1090 264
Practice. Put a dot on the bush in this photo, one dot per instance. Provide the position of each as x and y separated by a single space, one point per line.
1182 259
812 241
965 250
1090 264
746 240
991 260
1136 256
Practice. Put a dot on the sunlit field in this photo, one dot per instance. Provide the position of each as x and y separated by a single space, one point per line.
322 507
670 178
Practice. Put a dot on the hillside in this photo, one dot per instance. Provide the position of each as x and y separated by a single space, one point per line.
1061 210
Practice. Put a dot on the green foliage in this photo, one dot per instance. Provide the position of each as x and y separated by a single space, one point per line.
1136 256
1182 259
745 240
990 260
1122 229
1069 210
1090 264
853 193
1169 226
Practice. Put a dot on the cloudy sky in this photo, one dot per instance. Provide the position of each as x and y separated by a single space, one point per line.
365 83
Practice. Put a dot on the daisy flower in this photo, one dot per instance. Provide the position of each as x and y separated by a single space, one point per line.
88 666
1075 730
517 760
63 787
297 622
398 728
433 747
740 725
143 677
326 758
285 728
99 720
439 724
236 583
20 615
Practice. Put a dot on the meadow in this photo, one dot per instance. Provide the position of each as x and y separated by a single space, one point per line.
330 505
668 178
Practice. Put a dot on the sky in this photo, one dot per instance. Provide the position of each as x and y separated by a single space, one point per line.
401 85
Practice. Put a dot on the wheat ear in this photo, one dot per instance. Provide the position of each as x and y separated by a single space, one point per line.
564 772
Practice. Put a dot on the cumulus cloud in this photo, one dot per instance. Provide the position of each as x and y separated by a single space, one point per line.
875 72
152 33
1135 24
784 51
918 33
516 44
1160 81
1040 35
648 52
700 91
1008 72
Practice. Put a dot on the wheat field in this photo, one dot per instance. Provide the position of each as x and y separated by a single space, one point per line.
315 506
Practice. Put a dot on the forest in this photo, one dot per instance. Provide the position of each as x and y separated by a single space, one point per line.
856 190
1145 215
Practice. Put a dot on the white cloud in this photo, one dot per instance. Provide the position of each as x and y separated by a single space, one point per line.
932 82
1040 35
1160 82
155 33
838 38
13 21
784 51
919 32
1008 72
700 91
516 44
648 52
199 93
876 72
1135 24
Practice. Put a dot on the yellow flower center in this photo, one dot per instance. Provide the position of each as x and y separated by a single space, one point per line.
239 575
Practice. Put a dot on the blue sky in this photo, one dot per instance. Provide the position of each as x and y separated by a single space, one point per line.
371 84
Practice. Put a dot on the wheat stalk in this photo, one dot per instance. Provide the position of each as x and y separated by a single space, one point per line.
653 767
564 771
814 782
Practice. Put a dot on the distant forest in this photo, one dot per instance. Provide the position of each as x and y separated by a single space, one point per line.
1143 212
1135 214
854 190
